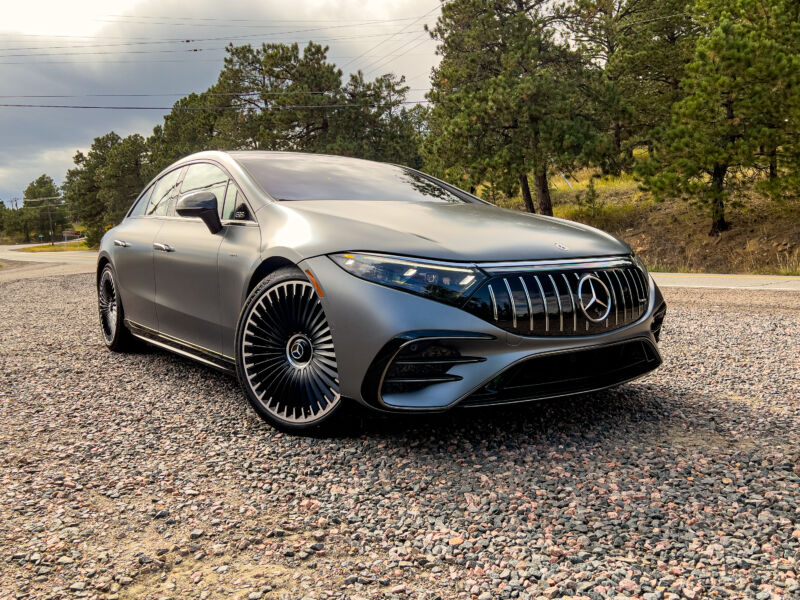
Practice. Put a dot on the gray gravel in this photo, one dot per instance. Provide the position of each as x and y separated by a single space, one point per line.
146 476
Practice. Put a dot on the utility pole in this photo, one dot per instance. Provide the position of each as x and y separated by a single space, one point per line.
50 221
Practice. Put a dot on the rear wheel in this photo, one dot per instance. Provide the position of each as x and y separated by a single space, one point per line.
112 318
285 357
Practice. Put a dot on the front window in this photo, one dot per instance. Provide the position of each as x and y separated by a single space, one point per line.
297 177
204 177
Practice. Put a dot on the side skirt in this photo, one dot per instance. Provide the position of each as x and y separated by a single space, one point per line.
208 357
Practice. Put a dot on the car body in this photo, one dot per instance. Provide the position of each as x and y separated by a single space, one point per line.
418 296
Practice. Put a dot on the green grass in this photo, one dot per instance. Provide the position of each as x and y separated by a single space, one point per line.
68 247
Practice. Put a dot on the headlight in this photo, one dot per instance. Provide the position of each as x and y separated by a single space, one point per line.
444 282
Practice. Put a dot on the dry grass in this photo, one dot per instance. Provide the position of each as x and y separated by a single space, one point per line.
68 247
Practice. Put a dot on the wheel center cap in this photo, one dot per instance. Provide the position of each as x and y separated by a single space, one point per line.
299 350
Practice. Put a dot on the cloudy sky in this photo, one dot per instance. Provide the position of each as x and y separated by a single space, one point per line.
149 53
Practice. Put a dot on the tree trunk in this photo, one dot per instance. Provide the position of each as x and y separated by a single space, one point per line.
773 164
718 222
526 193
614 165
543 193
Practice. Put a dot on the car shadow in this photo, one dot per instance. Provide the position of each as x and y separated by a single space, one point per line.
585 415
588 416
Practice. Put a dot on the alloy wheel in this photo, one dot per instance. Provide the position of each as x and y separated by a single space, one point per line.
288 357
107 305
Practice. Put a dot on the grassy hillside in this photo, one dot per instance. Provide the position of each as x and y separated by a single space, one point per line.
673 235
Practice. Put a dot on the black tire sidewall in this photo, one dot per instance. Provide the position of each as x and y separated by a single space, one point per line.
327 423
122 339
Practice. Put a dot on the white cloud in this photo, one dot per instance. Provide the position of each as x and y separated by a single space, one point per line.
61 17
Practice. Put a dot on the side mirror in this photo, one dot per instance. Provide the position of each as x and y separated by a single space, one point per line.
203 205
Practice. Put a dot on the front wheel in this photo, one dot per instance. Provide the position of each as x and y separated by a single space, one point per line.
285 359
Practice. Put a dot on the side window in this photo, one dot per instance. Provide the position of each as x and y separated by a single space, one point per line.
206 178
162 192
235 208
138 208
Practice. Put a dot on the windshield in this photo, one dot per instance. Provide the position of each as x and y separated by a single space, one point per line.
318 177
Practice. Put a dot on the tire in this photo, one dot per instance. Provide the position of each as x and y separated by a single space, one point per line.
285 359
112 316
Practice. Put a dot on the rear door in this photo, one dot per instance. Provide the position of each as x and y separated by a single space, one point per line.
187 285
133 251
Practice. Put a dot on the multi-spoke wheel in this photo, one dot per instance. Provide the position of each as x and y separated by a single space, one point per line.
115 334
285 357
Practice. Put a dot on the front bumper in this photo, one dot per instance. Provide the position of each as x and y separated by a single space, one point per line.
371 324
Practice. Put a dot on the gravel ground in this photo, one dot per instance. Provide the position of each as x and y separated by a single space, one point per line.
146 476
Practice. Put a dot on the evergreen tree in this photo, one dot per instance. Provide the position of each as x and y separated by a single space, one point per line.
122 177
505 98
82 186
47 213
737 89
637 51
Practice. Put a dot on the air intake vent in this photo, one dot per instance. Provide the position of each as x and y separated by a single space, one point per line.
568 373
658 321
420 364
563 301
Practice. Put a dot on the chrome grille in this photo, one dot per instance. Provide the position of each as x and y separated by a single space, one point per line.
540 301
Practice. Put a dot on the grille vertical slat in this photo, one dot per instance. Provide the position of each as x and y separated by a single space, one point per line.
630 290
558 299
494 302
530 304
572 301
635 288
644 288
544 303
613 297
622 294
513 303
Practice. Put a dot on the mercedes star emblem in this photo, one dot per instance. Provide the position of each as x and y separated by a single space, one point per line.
595 299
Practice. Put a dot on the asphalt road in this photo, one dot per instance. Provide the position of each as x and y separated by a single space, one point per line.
26 265
148 476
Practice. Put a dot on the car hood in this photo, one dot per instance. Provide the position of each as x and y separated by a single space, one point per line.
459 232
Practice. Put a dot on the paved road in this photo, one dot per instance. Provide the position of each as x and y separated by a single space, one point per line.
728 282
24 265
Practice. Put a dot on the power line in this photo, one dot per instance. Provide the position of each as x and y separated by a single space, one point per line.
249 20
385 60
194 40
234 94
171 51
398 32
139 61
193 108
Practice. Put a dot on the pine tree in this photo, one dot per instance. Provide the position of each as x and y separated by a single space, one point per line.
505 98
738 89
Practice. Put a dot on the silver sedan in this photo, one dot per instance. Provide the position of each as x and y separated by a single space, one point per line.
325 282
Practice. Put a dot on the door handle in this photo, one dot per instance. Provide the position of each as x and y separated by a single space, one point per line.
163 247
121 243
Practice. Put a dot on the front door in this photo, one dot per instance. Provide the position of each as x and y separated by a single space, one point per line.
187 289
185 259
